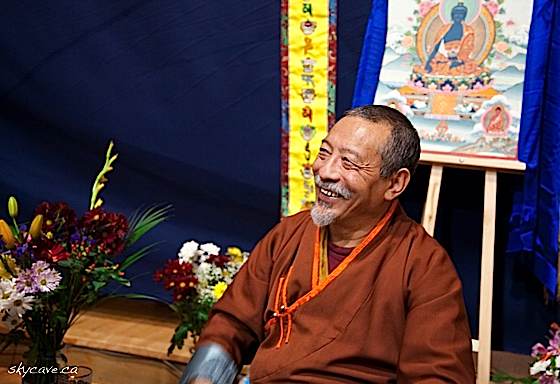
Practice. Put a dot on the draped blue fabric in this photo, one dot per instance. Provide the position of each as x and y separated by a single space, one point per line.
372 54
534 219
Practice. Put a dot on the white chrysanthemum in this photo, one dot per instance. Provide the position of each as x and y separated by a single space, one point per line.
206 293
539 366
7 287
10 320
19 303
188 251
204 271
210 249
48 280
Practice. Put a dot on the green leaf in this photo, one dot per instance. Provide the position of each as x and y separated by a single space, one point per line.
181 333
138 296
119 279
97 285
138 255
500 377
145 220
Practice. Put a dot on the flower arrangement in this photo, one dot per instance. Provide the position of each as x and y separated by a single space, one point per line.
53 268
545 369
198 278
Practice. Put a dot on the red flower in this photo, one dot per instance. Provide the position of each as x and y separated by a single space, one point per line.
48 250
57 253
219 260
178 277
107 229
58 219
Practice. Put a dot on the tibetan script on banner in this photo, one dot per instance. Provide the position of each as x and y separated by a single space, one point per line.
308 51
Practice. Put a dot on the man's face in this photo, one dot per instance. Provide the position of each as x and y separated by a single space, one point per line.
347 172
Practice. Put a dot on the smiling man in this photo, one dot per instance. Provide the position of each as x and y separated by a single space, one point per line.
352 291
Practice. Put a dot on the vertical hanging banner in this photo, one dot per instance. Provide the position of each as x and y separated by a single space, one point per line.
308 77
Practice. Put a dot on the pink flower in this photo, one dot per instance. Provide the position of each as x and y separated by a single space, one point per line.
510 23
424 7
538 350
547 379
493 7
554 343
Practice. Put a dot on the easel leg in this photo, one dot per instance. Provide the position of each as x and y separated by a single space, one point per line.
432 199
487 278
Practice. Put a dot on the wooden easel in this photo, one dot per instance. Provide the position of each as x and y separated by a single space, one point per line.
490 167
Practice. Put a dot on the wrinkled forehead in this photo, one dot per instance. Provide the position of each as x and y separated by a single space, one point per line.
360 135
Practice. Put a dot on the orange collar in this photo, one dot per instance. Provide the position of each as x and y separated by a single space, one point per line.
283 310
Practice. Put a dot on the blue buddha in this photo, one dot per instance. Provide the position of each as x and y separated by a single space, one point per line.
453 46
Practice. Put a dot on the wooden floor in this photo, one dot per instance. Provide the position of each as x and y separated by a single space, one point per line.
125 341
136 327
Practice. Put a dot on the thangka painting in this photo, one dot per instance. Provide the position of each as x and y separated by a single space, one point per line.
456 69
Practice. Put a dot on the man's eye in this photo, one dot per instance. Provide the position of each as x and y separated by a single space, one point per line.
348 163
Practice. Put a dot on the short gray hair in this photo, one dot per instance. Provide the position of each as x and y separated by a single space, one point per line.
402 149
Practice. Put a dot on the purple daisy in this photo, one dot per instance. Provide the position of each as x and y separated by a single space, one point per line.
26 282
40 266
48 280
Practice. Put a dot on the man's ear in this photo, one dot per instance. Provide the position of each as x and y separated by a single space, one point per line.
398 183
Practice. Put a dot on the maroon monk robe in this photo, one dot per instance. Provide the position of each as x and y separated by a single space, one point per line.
336 255
395 314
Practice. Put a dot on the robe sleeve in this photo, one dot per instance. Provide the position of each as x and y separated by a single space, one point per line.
436 346
236 321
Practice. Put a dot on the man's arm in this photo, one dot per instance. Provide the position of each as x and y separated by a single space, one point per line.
210 364
436 346
235 328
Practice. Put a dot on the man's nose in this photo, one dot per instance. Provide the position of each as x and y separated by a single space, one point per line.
329 170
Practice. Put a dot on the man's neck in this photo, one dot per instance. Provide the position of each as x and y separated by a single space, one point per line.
350 234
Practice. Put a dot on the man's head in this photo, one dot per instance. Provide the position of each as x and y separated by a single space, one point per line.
364 163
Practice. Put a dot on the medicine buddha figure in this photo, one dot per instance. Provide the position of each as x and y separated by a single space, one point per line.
497 123
452 47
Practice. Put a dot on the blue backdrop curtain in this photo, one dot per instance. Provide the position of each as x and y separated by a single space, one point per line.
534 218
188 90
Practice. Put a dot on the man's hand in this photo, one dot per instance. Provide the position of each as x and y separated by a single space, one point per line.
210 364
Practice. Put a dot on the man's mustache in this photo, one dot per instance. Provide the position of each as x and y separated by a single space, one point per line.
338 187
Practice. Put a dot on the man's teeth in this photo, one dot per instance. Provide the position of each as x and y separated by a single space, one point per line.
328 193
